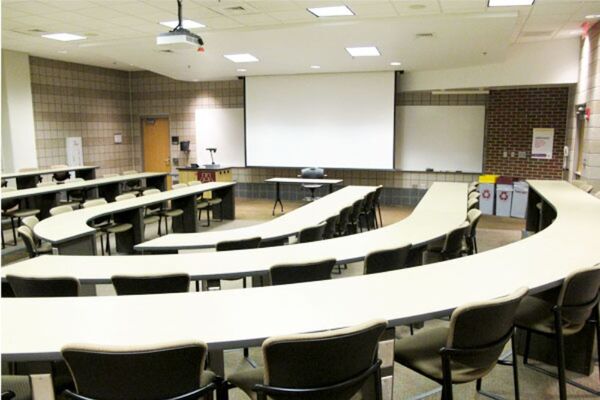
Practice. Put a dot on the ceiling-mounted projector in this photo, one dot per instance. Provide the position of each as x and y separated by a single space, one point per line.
179 37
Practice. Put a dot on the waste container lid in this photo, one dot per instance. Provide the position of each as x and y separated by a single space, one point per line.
508 180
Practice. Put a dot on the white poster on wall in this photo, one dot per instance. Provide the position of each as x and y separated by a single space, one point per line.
542 143
74 151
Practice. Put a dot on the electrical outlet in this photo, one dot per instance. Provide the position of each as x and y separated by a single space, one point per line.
512 154
505 154
522 154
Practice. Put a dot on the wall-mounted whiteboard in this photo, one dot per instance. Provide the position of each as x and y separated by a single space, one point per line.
323 120
222 128
444 138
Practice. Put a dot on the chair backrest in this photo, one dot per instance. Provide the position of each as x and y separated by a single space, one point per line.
179 186
587 188
330 226
479 331
474 195
579 295
386 259
377 195
31 222
312 173
172 283
145 373
473 217
26 235
194 183
312 234
597 194
583 185
60 210
297 273
454 240
46 184
323 359
125 196
242 244
473 203
16 387
356 209
9 204
149 192
367 205
344 219
43 287
94 203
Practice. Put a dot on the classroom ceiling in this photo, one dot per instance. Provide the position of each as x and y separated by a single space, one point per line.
284 36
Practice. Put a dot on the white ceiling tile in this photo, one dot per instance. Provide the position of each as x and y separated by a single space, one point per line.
373 9
555 8
294 16
418 7
100 13
269 6
255 20
463 6
30 7
221 23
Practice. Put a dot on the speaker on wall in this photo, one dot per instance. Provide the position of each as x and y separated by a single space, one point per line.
184 145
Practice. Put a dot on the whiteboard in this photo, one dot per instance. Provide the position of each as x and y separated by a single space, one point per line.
444 138
222 128
341 120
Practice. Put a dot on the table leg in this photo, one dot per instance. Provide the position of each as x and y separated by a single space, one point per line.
227 205
217 362
277 198
187 222
386 355
330 188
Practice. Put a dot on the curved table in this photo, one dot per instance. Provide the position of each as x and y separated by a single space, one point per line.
442 209
282 227
241 318
27 179
70 233
45 197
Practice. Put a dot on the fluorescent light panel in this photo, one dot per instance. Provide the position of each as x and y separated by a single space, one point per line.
64 37
335 11
187 24
241 58
509 3
592 16
369 51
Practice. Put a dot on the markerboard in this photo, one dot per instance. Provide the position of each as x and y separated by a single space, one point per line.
443 138
222 128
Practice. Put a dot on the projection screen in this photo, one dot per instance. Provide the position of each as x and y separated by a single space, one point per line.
321 120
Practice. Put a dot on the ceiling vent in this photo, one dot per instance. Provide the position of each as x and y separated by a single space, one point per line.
234 10
426 35
29 32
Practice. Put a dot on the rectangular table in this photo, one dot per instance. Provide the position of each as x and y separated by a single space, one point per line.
279 181
29 179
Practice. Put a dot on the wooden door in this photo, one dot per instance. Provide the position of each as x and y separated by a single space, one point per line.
157 146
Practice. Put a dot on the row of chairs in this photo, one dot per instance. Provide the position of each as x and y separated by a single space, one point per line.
338 364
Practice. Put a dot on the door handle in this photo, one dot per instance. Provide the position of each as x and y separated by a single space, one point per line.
167 161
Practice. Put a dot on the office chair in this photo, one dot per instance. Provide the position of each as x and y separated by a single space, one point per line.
312 173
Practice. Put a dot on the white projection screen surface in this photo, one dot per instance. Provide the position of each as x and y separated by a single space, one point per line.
321 120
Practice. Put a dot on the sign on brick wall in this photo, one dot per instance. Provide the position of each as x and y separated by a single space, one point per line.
541 144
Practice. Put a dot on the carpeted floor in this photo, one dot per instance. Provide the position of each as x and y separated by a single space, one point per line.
492 232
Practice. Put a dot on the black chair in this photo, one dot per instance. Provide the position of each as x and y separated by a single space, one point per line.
330 226
43 287
298 273
473 217
367 214
332 365
62 176
344 221
386 260
172 372
451 247
562 312
376 205
16 387
354 217
312 234
13 210
312 173
172 283
468 349
244 244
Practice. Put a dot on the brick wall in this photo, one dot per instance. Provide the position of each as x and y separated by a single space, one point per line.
511 116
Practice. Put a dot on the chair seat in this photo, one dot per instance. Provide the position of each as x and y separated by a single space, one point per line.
27 212
44 248
200 205
119 228
151 219
246 379
214 202
536 314
311 186
421 353
172 213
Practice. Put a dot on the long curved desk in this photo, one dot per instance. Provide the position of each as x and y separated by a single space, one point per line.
443 208
27 179
239 318
45 197
282 227
70 233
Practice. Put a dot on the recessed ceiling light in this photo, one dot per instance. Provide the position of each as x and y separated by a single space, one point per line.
63 37
335 11
368 51
592 16
187 24
315 66
509 3
395 63
241 58
241 70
